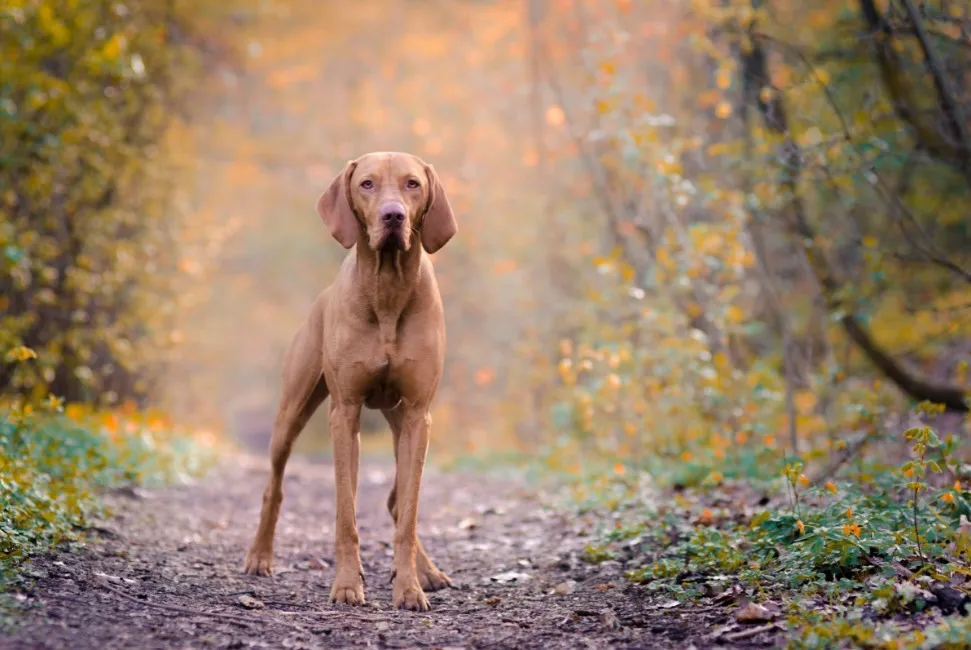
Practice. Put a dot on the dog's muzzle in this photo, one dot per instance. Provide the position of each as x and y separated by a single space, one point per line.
392 217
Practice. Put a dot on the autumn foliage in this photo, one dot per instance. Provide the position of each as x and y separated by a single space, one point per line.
700 241
90 238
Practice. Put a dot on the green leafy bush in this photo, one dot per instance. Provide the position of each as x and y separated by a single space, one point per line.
52 464
90 248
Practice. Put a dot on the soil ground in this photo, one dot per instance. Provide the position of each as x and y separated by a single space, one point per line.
164 572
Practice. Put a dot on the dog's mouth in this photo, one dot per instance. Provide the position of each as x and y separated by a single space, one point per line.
394 240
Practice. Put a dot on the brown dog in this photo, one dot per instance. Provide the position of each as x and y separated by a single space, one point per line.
375 338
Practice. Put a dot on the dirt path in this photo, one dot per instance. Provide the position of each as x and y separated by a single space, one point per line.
164 572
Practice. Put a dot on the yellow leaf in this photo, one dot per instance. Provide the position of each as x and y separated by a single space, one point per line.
113 48
805 402
733 314
723 78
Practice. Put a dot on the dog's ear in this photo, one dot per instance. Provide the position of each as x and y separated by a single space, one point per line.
334 207
438 225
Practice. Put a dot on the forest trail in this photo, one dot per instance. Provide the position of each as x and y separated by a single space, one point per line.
164 572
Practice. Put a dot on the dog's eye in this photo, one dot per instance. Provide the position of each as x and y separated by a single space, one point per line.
367 184
412 184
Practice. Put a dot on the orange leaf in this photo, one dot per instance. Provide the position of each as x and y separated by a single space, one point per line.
555 116
484 376
504 266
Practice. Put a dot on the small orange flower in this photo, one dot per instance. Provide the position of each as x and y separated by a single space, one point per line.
851 529
957 486
831 487
947 497
804 480
706 518
909 472
849 513
686 456
619 468
801 527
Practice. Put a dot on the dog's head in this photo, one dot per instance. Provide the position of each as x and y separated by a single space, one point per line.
389 198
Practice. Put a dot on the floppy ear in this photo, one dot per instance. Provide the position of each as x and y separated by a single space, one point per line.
438 225
334 207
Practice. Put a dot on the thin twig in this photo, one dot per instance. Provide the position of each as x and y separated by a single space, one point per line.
920 551
239 620
748 634
892 198
848 454
952 109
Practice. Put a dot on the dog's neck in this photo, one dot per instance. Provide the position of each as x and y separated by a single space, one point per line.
387 281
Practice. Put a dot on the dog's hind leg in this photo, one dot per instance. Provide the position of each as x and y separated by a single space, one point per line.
429 575
304 389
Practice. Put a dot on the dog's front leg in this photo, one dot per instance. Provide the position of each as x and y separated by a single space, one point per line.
344 430
412 448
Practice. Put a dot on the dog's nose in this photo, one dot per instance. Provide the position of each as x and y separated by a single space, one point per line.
393 214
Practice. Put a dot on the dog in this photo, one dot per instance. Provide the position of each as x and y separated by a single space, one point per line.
375 338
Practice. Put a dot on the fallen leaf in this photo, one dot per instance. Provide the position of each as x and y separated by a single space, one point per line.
492 602
609 620
669 604
565 588
468 524
316 564
250 603
728 595
754 613
604 587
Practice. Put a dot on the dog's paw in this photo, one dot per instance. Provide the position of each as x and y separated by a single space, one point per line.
258 563
348 591
431 579
409 595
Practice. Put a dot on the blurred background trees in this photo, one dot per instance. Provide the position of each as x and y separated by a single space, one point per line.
691 230
784 182
92 240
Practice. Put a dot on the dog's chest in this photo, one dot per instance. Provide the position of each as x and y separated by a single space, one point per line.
385 359
382 389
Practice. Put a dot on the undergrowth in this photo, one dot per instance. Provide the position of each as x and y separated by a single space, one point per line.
53 464
879 557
